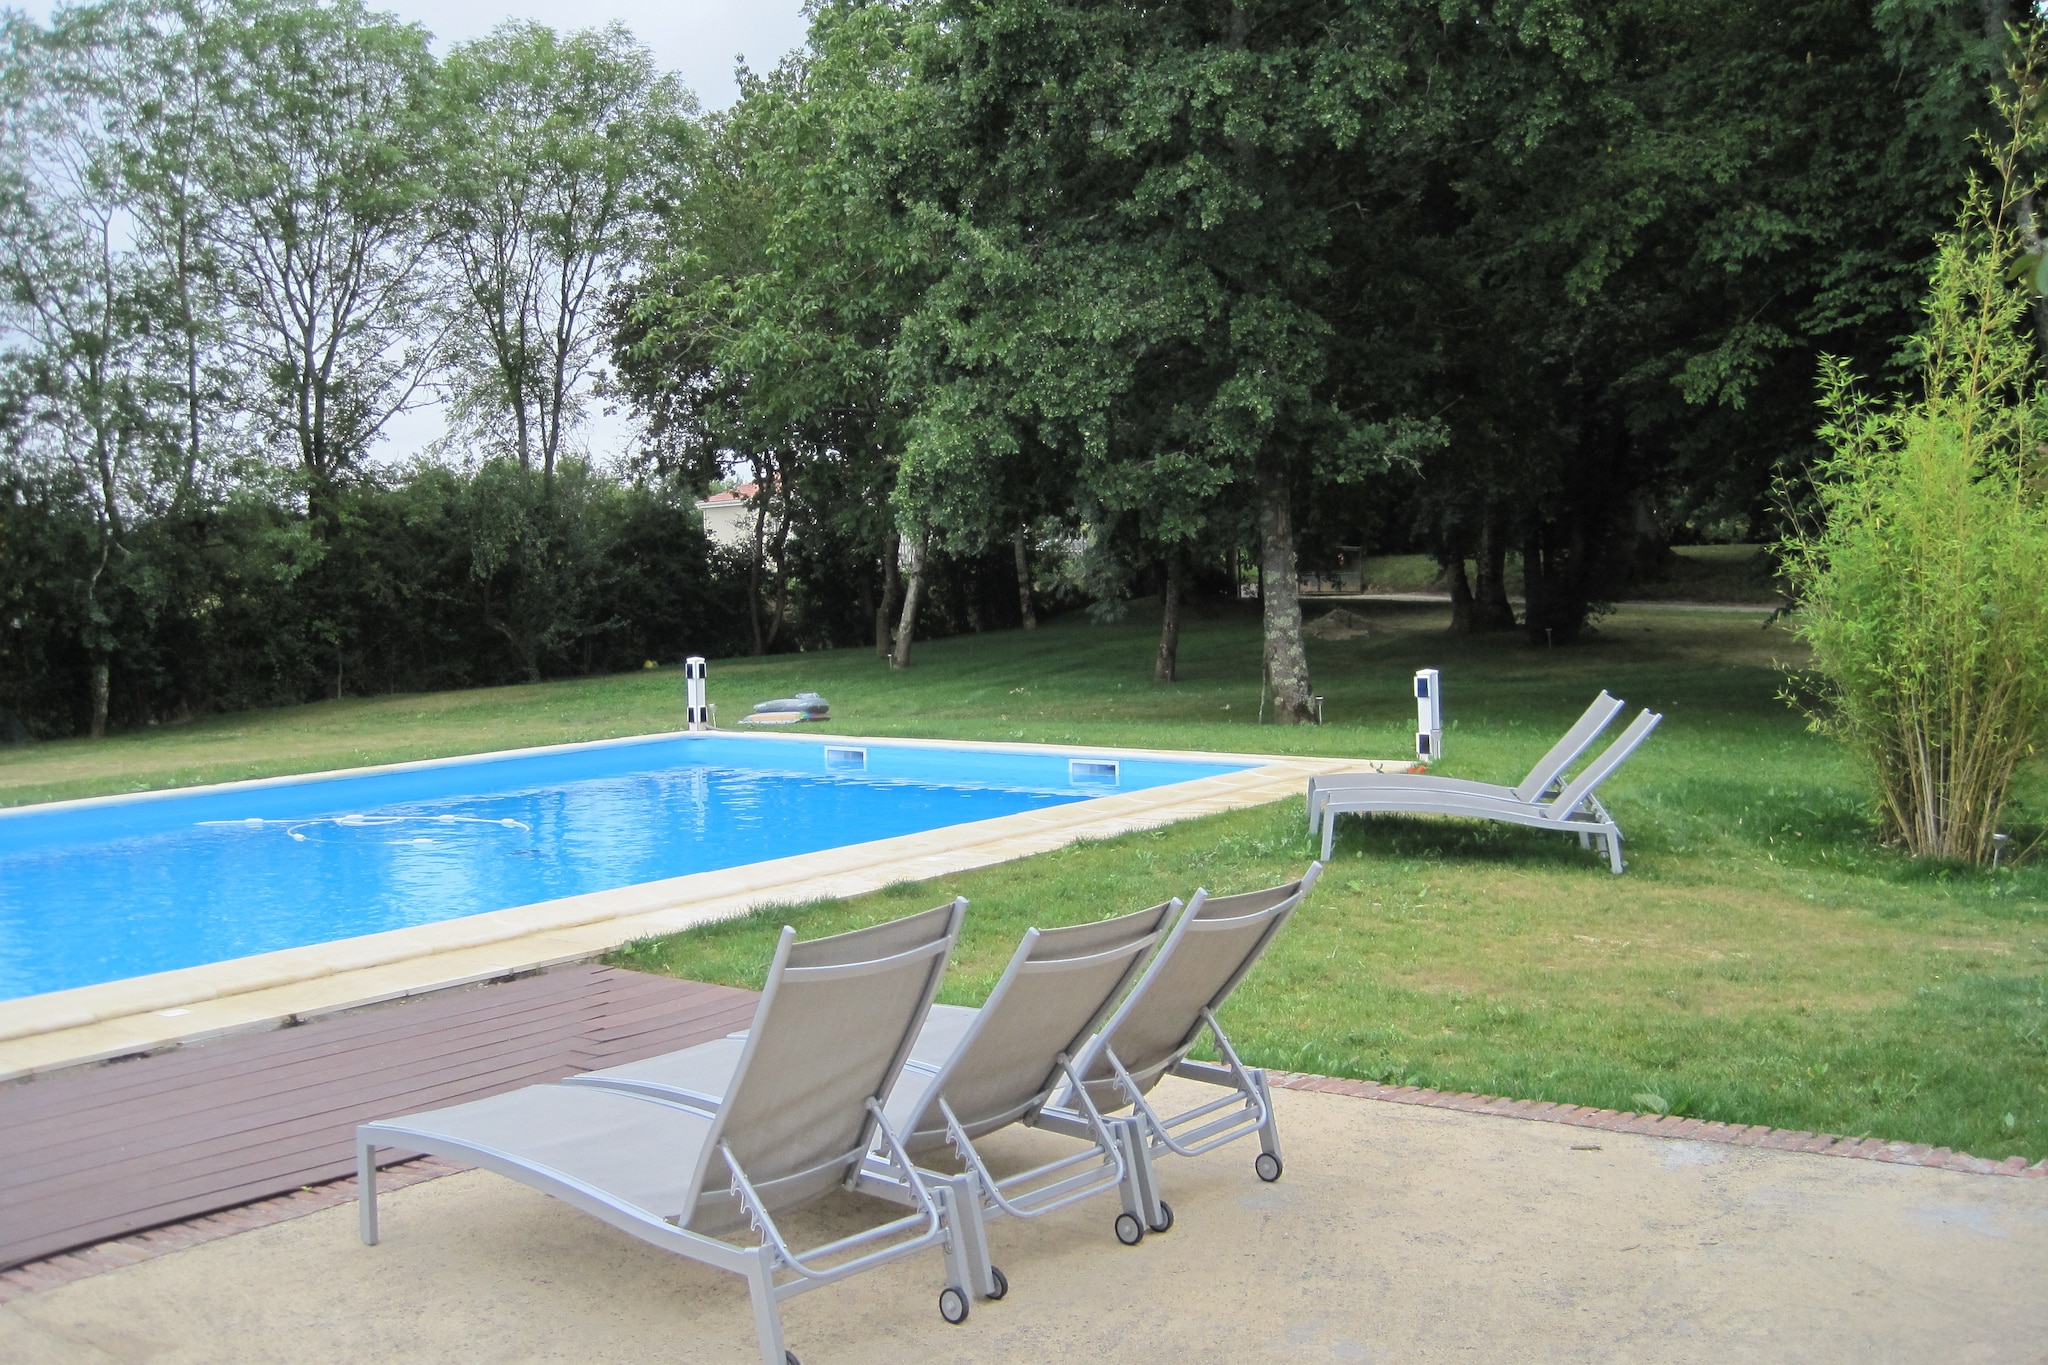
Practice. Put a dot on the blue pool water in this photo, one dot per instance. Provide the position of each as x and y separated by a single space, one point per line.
98 891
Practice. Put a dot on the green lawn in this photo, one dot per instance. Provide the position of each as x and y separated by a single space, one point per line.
1695 573
1763 961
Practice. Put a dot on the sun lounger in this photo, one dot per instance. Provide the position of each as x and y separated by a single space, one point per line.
800 1116
1211 947
974 1071
1543 779
1575 810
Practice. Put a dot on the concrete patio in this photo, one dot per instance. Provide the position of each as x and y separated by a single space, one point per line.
1398 1233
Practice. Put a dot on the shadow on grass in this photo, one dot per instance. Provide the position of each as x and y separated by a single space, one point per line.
1448 839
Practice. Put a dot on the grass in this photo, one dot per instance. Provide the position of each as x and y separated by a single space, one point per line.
1696 573
1763 961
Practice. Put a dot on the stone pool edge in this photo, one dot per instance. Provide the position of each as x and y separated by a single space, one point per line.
122 1018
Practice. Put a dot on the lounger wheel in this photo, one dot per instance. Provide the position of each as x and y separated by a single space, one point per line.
953 1305
1002 1282
789 1357
1165 1223
1129 1230
1268 1166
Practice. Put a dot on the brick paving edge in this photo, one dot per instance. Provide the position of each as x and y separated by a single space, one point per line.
80 1263
1669 1126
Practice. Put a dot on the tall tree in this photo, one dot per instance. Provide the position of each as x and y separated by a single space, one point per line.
551 147
75 293
317 162
760 342
164 115
1142 200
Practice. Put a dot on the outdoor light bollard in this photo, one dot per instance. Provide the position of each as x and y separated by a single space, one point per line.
694 674
1429 715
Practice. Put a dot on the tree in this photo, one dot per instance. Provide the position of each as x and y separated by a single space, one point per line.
760 341
1924 572
551 147
316 160
75 292
1140 200
1637 241
164 114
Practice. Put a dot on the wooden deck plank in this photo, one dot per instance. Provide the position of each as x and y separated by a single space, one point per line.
111 1150
269 1084
168 1072
339 1060
173 1076
392 1084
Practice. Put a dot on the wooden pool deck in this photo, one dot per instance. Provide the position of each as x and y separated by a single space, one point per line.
102 1151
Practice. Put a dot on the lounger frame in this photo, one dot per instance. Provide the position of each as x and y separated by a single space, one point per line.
1106 1162
1542 780
774 1270
1575 810
1245 1110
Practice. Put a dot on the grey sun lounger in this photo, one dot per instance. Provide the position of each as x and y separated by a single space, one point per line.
975 1071
1575 810
801 1116
1211 947
1543 779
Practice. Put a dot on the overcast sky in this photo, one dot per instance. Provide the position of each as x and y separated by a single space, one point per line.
698 39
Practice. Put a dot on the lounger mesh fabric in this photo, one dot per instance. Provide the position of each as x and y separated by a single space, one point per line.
1575 810
800 1117
839 1034
1549 769
979 1069
1056 991
1547 773
1209 952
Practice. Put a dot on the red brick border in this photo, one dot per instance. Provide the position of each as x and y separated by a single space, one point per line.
1669 1126
67 1266
142 1246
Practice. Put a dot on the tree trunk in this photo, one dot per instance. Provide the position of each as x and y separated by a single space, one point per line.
912 596
868 606
1286 661
781 575
1491 610
1648 555
892 551
1166 668
967 584
754 573
99 697
1461 594
1024 579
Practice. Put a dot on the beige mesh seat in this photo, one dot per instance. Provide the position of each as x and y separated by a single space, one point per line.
1574 810
974 1071
800 1114
1542 780
1208 952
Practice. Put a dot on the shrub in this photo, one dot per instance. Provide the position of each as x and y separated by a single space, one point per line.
1923 573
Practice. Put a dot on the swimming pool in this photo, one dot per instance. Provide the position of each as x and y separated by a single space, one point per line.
95 891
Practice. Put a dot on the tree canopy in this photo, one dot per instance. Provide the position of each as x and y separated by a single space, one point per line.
994 305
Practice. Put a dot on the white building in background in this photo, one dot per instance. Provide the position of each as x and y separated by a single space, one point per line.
729 516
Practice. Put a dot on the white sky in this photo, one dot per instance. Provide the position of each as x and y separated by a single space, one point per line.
696 38
700 40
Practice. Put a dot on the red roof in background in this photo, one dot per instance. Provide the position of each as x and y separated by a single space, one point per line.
740 494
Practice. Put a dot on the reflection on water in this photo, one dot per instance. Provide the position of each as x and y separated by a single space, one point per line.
205 891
